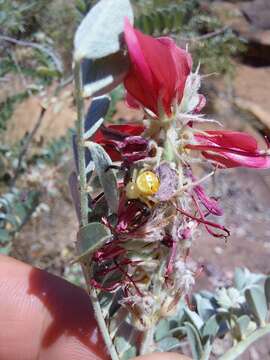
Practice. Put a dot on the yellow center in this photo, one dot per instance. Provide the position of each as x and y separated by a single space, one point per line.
147 183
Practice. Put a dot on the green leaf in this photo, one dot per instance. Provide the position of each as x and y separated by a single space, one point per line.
90 238
106 176
162 329
4 236
194 318
100 31
211 327
195 341
256 300
81 6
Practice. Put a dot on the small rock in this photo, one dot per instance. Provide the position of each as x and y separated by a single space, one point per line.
258 13
218 250
257 38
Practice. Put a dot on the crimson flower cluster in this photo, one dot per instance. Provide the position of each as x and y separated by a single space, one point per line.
163 204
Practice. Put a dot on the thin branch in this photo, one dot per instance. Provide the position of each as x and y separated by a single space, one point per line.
48 51
24 82
205 36
27 144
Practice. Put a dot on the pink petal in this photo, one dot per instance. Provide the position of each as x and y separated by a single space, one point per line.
158 70
132 38
229 139
230 160
183 65
201 104
131 101
139 82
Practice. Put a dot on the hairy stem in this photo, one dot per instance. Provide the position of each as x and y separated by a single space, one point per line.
84 206
147 343
80 143
242 346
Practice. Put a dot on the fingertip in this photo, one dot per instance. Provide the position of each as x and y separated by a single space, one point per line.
163 356
57 315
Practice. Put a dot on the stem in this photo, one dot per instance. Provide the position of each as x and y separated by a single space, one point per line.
168 148
84 205
80 143
242 346
147 343
26 145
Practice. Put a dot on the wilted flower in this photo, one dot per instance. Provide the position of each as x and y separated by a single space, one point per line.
169 181
122 142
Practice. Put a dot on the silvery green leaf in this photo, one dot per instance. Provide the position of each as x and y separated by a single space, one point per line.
167 344
98 210
109 303
207 294
103 75
124 349
4 236
162 329
205 307
76 157
194 318
5 250
90 238
229 298
211 326
267 290
100 31
244 279
106 176
95 115
207 348
257 302
195 341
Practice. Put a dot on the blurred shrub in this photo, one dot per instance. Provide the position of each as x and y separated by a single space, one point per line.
191 22
15 209
19 16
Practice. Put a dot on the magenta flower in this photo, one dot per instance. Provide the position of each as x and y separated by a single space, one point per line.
158 72
231 149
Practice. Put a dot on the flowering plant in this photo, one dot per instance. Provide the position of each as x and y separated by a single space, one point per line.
142 200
